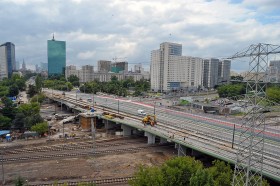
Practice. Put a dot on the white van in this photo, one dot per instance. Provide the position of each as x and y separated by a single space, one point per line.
141 112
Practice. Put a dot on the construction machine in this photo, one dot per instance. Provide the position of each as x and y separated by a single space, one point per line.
149 120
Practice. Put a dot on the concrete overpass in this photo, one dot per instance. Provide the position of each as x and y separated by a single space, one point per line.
187 130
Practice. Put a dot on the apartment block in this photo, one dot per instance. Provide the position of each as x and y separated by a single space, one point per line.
104 66
172 71
224 71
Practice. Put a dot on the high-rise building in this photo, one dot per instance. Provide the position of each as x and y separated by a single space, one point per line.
104 66
118 67
3 63
86 74
8 57
224 71
56 57
211 72
172 71
274 71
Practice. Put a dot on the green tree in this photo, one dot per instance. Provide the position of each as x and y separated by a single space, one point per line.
222 173
19 121
13 90
74 80
38 97
178 171
38 83
231 90
19 181
202 177
20 84
69 86
4 91
9 109
29 109
32 90
40 128
5 123
273 93
148 176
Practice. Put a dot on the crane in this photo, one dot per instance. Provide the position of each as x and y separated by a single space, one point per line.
249 156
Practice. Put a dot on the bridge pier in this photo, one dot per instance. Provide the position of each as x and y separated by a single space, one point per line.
151 137
109 124
163 140
182 150
127 130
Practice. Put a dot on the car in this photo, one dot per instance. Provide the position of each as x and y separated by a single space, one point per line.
141 112
89 100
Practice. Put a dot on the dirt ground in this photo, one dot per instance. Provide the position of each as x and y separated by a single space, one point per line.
79 168
102 167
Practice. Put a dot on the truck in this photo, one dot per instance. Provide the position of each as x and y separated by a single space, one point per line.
149 120
141 112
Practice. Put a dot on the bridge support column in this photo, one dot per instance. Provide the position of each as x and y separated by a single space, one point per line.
108 124
163 140
182 150
127 130
151 138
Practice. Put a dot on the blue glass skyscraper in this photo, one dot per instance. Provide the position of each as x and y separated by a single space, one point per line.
56 57
8 52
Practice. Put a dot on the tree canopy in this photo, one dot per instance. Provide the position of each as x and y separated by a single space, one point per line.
181 171
231 90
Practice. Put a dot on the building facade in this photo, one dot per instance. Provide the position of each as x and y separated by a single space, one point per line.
138 68
172 71
87 74
118 67
3 63
7 60
224 71
56 57
211 72
104 66
274 71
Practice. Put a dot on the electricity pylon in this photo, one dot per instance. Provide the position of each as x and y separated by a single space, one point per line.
249 157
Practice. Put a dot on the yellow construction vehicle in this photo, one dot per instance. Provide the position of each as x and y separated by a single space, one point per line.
149 120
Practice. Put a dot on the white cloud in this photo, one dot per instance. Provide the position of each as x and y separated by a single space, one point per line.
95 29
86 55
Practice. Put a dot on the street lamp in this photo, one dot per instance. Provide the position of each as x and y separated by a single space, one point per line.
154 108
2 162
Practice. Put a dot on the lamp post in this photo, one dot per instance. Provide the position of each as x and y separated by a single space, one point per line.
154 108
233 133
2 162
118 106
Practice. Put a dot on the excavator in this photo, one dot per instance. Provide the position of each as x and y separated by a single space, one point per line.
149 120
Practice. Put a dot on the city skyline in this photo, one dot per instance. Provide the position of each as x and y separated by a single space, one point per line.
97 30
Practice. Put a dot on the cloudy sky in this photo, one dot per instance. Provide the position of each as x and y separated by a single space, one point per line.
130 29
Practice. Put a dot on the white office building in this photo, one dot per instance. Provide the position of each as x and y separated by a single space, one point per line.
172 71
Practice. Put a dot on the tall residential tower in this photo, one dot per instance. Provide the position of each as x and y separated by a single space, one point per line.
172 71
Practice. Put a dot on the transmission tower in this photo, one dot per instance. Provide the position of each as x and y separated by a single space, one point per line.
250 144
